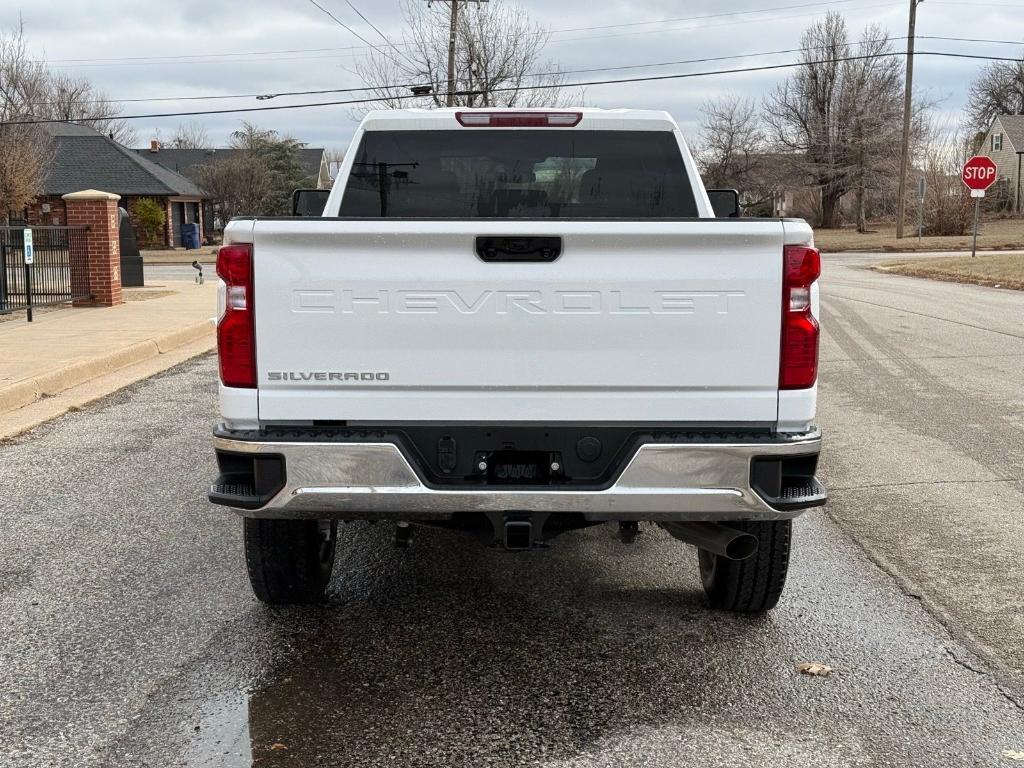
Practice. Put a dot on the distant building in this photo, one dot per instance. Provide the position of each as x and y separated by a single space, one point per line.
87 159
1004 143
313 161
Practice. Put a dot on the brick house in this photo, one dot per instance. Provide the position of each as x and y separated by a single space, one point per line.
86 159
1004 143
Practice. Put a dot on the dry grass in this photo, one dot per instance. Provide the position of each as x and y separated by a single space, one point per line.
1003 270
1002 235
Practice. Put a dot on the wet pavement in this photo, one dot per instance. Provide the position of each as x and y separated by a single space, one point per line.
131 637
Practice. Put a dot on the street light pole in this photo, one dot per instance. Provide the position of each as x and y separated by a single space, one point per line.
908 103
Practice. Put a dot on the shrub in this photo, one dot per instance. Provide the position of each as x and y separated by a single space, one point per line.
948 205
149 221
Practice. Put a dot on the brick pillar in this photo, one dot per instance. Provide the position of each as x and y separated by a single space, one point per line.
168 224
100 264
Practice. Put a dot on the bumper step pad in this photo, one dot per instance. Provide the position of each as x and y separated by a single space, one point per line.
799 493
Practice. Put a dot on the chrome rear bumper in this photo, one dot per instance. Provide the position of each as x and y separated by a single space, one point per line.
661 482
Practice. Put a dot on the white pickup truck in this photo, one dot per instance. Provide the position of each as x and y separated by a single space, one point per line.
514 324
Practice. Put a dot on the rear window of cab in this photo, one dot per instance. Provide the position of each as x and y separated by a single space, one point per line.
527 174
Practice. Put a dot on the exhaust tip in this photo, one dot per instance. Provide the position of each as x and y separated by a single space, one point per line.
742 546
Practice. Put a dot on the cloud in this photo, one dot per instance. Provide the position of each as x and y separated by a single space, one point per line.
87 31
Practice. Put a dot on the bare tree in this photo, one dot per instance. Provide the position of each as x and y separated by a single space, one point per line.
873 89
238 185
498 53
998 90
733 150
75 99
190 136
257 179
24 147
948 206
839 120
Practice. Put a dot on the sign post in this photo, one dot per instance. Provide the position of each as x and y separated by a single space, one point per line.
30 259
922 189
979 174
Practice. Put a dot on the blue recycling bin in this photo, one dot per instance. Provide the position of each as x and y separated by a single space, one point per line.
190 236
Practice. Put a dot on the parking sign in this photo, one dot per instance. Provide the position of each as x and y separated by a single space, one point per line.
29 256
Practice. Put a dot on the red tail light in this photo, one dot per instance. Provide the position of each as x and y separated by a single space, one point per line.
798 361
518 119
236 332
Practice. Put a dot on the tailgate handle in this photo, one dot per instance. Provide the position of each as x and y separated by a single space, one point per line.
518 248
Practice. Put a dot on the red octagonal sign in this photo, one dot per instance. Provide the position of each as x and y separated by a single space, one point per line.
979 173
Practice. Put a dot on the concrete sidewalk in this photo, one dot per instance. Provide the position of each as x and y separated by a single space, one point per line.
69 357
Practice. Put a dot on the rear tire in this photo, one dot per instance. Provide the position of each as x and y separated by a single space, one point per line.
290 561
753 585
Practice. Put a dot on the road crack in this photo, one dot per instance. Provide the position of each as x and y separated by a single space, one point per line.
1013 693
987 674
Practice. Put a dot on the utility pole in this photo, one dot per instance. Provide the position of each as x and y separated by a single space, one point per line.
452 39
451 53
908 105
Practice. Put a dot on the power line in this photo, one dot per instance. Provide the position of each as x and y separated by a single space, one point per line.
972 40
209 55
389 86
621 67
322 91
703 17
382 35
975 4
180 58
341 23
705 26
540 86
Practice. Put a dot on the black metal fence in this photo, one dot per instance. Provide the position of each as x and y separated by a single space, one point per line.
58 273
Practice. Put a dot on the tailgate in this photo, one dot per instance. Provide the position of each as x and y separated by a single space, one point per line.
402 321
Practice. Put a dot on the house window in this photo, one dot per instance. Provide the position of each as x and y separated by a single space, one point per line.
997 142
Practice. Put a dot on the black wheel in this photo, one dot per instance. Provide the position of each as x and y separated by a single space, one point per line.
290 561
753 585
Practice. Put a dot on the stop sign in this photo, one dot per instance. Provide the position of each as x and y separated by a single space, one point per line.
979 173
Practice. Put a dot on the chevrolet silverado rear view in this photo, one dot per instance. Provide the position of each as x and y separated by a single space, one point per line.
513 324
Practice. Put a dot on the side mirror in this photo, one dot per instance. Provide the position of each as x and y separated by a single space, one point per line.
309 202
725 203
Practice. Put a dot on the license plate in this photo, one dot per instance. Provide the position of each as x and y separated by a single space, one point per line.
519 467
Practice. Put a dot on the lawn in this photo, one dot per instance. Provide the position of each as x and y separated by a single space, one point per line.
1001 235
1002 270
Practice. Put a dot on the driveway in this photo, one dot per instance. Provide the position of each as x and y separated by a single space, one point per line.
131 637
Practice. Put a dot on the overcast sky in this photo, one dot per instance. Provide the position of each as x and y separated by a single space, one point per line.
76 35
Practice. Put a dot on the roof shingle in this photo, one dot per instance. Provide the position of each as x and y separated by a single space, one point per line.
1013 125
86 159
187 161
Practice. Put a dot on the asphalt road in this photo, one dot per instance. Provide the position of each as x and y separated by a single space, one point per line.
155 273
130 637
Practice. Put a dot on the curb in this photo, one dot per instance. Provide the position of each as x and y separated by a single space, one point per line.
54 382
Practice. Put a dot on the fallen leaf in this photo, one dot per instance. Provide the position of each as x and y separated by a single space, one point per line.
1012 754
278 745
814 669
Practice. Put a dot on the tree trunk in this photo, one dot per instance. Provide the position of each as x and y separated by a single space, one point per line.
862 219
829 207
